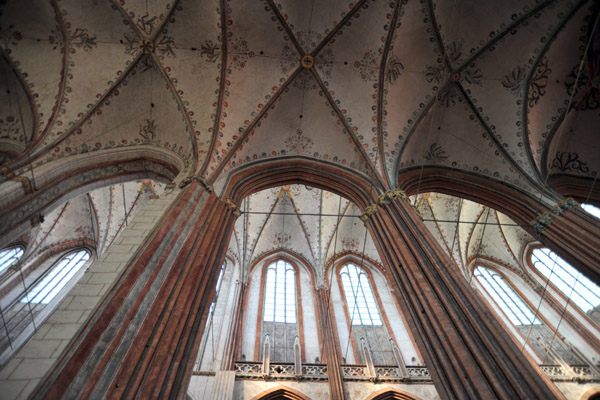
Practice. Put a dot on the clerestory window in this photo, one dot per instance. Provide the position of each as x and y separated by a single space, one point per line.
55 280
359 296
280 311
506 298
583 292
366 322
595 211
10 256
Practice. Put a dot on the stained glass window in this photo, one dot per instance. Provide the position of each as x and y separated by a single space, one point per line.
583 292
52 283
506 298
9 256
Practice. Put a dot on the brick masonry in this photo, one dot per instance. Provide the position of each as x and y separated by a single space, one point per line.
24 371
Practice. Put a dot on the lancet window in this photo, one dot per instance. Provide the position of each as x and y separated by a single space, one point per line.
366 322
583 292
506 298
280 311
10 256
59 275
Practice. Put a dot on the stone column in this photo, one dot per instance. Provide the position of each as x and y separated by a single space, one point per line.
143 337
332 354
468 353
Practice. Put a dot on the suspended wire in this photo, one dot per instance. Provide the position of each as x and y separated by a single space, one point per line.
556 140
537 310
350 334
565 308
480 242
328 300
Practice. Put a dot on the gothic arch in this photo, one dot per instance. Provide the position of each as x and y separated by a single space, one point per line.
523 208
71 184
391 394
298 170
281 393
591 394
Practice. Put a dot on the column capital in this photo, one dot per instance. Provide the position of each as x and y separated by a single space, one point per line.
200 179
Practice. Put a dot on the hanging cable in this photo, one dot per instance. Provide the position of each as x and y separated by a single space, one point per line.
480 242
537 310
362 260
328 299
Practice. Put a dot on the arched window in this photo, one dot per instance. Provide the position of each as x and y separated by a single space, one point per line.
217 288
280 315
506 298
59 275
595 211
359 296
9 256
583 292
365 318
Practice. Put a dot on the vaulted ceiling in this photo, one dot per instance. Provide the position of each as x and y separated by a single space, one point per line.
306 222
318 226
94 219
504 90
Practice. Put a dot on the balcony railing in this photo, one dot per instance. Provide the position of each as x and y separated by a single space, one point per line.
570 373
386 373
414 373
282 371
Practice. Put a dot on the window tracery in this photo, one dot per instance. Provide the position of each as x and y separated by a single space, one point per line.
541 338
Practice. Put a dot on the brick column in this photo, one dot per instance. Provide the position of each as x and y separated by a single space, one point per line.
144 336
574 235
332 355
469 354
564 227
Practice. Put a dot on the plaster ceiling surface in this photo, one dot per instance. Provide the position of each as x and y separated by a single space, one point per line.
318 226
314 225
476 86
469 231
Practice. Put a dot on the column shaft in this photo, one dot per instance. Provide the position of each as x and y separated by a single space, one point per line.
142 340
331 351
467 351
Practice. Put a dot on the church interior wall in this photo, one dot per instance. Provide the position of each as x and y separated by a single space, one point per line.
24 370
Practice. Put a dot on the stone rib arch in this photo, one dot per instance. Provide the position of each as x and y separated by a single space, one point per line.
62 186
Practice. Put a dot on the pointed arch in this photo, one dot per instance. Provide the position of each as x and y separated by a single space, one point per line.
391 394
281 392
